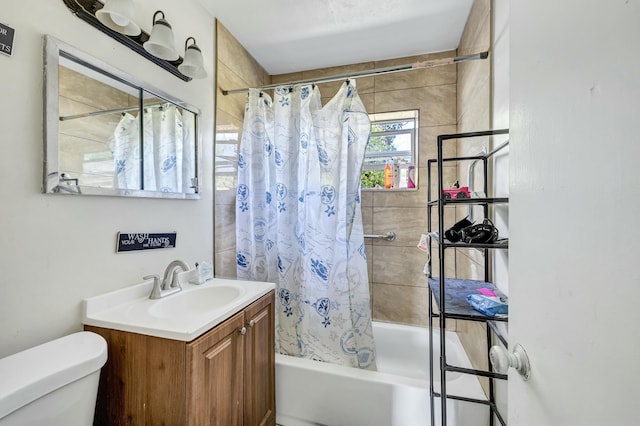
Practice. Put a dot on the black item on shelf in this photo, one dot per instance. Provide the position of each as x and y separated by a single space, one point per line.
454 234
466 231
482 233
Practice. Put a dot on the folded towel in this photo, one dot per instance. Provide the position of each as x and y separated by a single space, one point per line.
489 306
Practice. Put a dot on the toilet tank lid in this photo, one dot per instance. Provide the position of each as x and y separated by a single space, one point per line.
32 373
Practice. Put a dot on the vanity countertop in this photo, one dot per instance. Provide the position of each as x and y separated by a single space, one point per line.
182 316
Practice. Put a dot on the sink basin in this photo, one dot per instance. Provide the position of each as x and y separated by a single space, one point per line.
181 316
195 302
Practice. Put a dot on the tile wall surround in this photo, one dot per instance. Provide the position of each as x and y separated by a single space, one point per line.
235 68
474 113
398 286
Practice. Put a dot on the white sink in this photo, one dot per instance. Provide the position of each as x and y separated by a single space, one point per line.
181 316
194 303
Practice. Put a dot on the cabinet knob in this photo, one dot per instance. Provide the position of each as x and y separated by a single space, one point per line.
243 330
252 323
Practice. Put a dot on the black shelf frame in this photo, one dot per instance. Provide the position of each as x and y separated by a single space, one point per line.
458 308
500 244
493 200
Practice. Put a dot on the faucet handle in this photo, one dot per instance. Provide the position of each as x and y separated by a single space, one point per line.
155 292
175 282
154 277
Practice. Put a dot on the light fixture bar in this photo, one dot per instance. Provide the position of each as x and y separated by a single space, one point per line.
86 10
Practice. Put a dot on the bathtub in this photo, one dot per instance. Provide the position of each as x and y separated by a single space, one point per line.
314 393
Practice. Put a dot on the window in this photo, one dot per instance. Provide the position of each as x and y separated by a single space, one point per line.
226 160
394 137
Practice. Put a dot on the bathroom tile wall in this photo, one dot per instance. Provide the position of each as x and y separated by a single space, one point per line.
79 137
398 285
235 69
474 113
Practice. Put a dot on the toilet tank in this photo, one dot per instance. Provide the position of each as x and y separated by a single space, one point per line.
55 383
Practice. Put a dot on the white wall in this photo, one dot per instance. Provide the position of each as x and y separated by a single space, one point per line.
500 120
575 203
57 250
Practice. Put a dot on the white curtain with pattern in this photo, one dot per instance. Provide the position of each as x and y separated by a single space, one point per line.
299 220
167 162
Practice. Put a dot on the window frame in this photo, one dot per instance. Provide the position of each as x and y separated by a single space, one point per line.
393 117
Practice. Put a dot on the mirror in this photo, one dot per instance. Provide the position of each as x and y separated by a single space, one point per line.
108 134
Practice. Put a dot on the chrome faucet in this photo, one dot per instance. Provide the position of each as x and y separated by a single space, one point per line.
170 283
170 279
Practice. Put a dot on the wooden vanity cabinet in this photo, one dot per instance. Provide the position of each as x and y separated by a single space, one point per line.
231 370
225 377
259 364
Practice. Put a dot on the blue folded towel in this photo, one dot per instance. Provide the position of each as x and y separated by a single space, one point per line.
489 306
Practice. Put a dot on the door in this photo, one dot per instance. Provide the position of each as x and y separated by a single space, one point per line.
259 379
574 281
214 376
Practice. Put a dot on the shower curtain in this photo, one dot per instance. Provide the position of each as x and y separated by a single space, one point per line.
299 223
167 151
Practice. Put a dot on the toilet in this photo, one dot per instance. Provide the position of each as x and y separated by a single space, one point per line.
55 383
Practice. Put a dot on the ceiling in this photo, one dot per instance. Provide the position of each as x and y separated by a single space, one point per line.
295 35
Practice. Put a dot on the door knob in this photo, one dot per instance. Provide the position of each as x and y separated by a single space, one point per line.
252 323
501 360
243 330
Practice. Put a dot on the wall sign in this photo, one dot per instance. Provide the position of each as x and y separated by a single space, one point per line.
6 39
133 242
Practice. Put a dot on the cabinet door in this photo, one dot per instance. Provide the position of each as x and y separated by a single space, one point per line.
142 382
259 370
214 375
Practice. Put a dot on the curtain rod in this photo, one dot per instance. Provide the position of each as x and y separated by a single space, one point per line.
109 111
368 73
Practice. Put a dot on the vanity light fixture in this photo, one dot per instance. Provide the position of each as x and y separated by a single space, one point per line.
161 42
118 15
156 48
193 64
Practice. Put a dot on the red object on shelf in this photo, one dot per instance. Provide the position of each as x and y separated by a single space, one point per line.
456 193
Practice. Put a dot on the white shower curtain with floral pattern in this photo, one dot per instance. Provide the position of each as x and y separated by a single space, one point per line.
167 161
299 222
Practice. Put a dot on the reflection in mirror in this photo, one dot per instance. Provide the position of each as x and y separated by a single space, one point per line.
106 134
